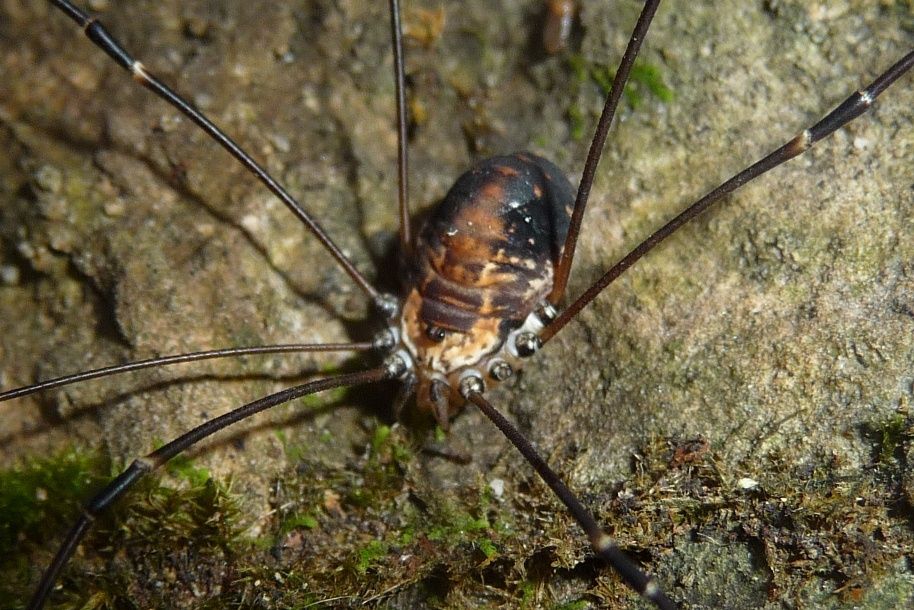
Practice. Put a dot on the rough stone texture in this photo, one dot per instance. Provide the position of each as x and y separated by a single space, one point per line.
778 326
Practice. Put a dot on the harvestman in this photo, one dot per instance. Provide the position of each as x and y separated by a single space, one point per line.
449 357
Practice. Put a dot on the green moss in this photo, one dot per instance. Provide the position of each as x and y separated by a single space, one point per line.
648 76
892 435
39 498
154 535
295 450
577 121
182 467
383 471
327 540
375 530
644 79
369 555
300 520
527 591
45 492
440 434
488 548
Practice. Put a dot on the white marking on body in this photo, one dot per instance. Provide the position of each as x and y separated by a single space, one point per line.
139 71
603 543
651 589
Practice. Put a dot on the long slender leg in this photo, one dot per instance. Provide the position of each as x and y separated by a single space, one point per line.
847 111
563 270
402 160
143 466
178 359
602 544
97 33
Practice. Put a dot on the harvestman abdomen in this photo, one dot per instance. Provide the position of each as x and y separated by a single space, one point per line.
673 335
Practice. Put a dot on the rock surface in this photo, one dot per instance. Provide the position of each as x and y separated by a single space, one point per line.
778 327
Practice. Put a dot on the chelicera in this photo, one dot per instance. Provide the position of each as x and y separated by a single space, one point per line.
449 343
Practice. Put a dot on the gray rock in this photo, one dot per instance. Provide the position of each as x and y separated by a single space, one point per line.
778 327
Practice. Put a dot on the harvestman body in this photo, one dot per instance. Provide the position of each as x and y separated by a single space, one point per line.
491 268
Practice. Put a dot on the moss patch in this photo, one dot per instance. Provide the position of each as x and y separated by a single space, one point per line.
644 80
371 533
163 545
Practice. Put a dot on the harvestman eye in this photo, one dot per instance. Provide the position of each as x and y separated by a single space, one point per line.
514 212
435 333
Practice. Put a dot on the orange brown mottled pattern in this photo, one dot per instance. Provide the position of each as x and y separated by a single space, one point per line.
484 262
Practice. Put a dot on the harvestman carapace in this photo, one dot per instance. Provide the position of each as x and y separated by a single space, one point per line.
493 263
